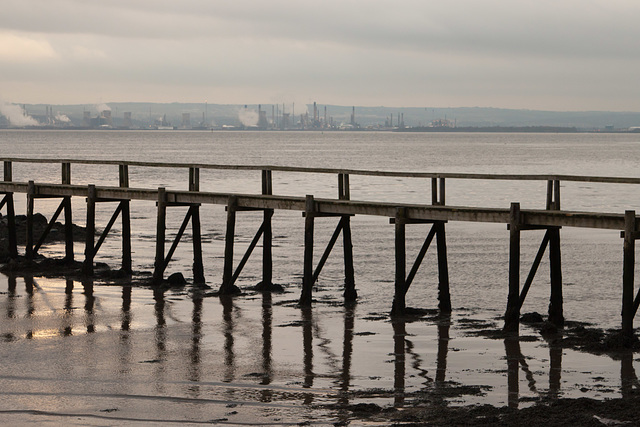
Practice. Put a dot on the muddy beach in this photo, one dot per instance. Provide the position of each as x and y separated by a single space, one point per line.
83 351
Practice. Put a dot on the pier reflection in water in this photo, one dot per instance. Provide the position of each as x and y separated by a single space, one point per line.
264 350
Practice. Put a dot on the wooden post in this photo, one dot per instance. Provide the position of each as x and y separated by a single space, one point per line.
126 236
123 174
125 211
68 230
68 218
399 303
512 315
350 294
629 261
161 229
11 215
198 266
267 251
66 173
8 173
555 269
89 249
444 297
194 179
31 191
267 235
227 272
307 279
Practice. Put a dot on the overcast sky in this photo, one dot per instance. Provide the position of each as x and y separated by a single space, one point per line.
538 54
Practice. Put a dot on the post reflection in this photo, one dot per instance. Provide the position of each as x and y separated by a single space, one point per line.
555 369
228 325
89 303
160 338
628 378
399 336
347 351
266 395
196 336
67 316
444 326
125 337
28 284
11 305
307 345
125 317
515 360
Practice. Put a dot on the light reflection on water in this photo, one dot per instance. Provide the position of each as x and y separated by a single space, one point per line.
110 342
116 342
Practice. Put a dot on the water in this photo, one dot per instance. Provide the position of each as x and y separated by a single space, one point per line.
142 354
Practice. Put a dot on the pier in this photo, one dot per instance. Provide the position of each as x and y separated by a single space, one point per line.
434 212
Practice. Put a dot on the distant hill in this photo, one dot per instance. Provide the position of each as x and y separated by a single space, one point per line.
144 115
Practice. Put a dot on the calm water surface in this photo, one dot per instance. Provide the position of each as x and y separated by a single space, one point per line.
139 353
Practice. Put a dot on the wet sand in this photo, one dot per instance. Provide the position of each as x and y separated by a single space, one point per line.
85 353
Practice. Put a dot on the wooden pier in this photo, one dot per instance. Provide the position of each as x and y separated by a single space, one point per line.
437 213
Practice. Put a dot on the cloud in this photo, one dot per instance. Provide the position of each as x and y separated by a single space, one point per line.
16 48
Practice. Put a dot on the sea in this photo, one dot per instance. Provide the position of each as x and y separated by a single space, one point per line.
91 353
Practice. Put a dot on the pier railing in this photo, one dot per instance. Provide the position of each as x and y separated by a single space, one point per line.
437 213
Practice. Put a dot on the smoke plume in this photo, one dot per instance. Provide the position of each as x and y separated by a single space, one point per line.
16 115
248 117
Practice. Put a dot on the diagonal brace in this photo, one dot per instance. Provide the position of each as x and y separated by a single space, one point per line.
420 257
181 231
327 251
103 236
248 253
46 231
534 268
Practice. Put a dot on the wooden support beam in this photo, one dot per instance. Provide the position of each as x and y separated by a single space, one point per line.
107 229
267 182
556 315
126 236
177 239
534 269
31 191
8 171
48 228
420 257
68 230
89 252
161 229
7 201
629 257
248 253
267 250
350 294
123 176
399 303
512 314
66 173
227 286
198 266
327 251
344 191
307 279
194 179
444 296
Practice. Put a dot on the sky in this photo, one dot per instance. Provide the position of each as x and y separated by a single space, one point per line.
560 55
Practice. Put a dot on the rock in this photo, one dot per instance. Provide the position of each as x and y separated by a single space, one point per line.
176 279
531 318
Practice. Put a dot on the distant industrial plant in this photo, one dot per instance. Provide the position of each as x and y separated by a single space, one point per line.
204 116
